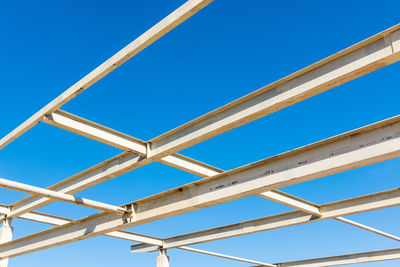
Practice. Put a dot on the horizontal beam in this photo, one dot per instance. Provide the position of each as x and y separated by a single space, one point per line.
226 256
370 144
370 229
154 33
109 136
372 256
336 209
292 201
60 196
375 52
371 54
57 220
67 121
96 131
104 171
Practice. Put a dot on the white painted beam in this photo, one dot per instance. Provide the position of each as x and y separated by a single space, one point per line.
104 171
227 256
362 58
57 220
96 131
292 201
192 166
154 33
374 143
60 196
336 209
372 256
370 229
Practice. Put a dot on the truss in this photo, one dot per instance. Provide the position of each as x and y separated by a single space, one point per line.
367 145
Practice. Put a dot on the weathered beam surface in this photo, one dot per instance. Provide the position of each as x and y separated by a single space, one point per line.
57 220
374 143
60 196
371 256
366 203
154 33
377 51
68 122
371 54
104 171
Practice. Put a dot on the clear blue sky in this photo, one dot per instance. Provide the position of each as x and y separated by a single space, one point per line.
227 50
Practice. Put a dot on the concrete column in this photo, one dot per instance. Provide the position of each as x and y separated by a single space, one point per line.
5 235
162 259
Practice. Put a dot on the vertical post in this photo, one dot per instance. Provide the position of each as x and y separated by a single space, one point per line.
5 236
162 259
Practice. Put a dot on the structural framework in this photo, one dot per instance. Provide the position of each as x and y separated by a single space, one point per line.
367 145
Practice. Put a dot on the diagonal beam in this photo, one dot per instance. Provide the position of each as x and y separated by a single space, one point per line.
154 33
90 129
336 209
373 143
98 132
57 220
104 171
60 196
371 256
371 54
373 230
67 121
226 256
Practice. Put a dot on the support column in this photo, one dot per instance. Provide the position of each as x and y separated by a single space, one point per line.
162 259
5 235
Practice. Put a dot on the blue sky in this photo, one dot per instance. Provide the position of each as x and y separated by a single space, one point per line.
227 50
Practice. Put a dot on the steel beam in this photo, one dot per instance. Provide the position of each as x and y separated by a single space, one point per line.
374 143
372 256
329 211
61 196
375 52
154 33
227 256
68 121
371 54
57 220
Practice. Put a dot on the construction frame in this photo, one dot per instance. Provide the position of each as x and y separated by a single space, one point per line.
373 143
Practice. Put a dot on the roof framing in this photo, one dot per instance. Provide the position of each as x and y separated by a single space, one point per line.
367 145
